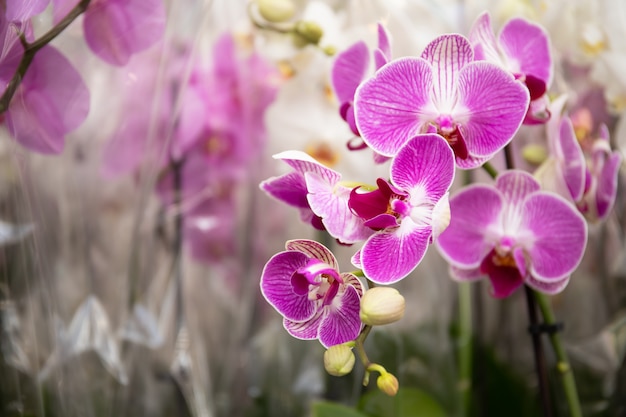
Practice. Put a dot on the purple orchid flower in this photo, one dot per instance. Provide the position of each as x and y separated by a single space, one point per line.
51 101
407 213
601 179
522 48
317 302
476 106
351 68
514 233
117 29
318 193
585 175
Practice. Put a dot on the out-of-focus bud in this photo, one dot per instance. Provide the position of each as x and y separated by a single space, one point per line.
388 384
381 305
306 32
339 360
534 154
276 11
330 50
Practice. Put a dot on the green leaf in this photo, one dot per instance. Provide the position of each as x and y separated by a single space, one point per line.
409 402
329 409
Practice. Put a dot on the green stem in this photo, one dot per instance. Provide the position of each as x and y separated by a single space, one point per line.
464 354
30 49
563 366
490 170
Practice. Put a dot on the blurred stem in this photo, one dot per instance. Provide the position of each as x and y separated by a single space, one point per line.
490 170
177 245
464 353
30 49
540 361
359 345
563 366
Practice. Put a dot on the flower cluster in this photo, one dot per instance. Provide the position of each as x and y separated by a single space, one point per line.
456 105
43 95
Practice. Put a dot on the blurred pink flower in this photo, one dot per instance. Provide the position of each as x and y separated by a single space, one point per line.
117 29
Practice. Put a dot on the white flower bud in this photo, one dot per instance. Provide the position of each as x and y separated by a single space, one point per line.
381 305
339 360
276 11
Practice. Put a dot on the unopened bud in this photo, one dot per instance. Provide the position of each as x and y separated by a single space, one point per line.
381 305
306 32
388 384
534 154
339 360
276 11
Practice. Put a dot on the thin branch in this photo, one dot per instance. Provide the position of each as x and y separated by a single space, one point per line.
30 49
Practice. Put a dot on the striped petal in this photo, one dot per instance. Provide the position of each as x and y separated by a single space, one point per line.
342 322
313 250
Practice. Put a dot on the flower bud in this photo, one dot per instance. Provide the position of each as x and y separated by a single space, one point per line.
306 32
339 360
276 11
381 305
534 154
388 384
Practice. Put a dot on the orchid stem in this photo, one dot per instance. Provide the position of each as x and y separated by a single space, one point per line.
490 170
30 49
563 366
540 361
464 354
359 346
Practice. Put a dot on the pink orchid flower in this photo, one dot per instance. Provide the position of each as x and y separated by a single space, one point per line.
522 48
476 106
316 301
515 234
407 213
117 29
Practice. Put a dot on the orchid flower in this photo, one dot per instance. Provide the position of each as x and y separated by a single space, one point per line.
317 302
51 101
476 106
320 196
515 234
351 68
601 179
586 175
117 29
407 213
522 48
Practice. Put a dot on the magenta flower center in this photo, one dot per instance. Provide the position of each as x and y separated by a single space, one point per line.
449 129
317 280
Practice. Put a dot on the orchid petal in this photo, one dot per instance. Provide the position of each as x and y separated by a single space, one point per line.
289 188
349 70
342 322
391 106
483 40
52 101
351 279
356 260
552 287
607 185
447 54
424 167
302 162
469 275
331 204
474 226
572 160
306 330
491 107
527 49
22 10
558 236
382 54
278 290
313 250
406 244
116 29
515 186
